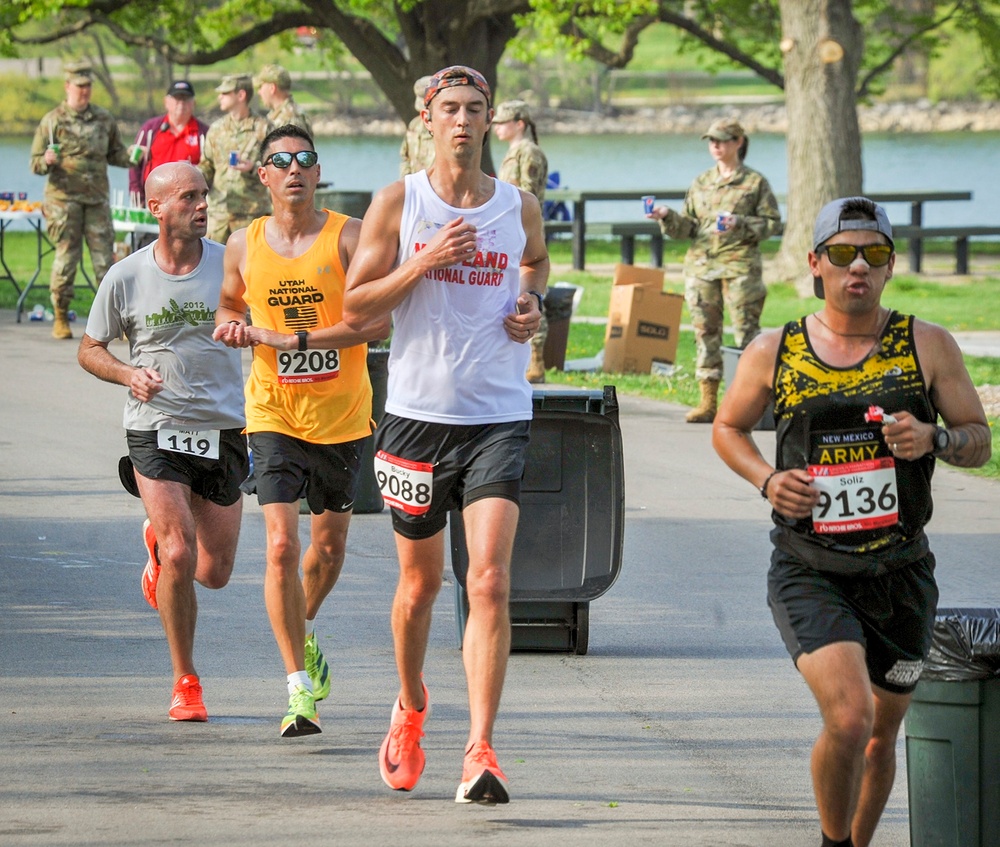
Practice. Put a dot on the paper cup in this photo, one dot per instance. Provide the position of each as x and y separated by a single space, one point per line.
136 154
648 201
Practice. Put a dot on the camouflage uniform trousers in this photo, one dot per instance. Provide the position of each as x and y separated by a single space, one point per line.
743 296
68 224
222 225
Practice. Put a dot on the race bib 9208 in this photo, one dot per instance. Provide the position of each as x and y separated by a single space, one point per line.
296 367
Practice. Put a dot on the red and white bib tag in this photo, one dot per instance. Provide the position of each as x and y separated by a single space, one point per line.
855 496
404 484
296 367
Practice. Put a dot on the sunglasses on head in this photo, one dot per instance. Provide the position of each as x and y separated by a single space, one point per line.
306 158
842 255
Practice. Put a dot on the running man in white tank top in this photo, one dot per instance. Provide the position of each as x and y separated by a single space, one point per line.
460 261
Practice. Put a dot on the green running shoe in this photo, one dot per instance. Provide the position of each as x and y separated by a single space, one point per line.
302 717
317 668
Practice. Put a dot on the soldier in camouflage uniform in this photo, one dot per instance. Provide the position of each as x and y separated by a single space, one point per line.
274 87
526 167
73 145
417 150
728 211
237 195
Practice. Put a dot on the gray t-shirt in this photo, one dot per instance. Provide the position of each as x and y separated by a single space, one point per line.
168 321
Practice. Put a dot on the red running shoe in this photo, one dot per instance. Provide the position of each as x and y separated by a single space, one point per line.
151 573
401 759
482 780
187 704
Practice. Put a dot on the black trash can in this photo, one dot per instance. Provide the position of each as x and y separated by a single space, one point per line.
558 312
568 547
953 734
368 500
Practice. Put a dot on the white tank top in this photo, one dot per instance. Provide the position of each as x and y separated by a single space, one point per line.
450 359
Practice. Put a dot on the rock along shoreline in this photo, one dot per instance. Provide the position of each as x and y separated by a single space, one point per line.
898 116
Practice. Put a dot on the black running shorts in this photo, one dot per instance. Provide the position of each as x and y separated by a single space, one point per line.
891 616
286 469
465 464
216 480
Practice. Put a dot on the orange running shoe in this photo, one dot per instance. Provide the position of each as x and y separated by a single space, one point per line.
151 573
401 759
482 780
187 704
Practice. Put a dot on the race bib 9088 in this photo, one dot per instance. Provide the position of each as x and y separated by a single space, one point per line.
404 484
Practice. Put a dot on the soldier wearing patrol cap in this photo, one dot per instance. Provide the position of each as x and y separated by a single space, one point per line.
417 150
229 161
728 211
73 146
274 87
526 167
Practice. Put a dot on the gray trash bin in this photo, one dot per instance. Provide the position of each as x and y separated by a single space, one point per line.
953 734
568 547
730 359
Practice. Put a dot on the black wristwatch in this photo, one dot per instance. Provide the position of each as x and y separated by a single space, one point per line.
941 440
303 335
541 301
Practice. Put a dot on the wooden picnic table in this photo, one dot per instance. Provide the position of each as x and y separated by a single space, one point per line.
580 198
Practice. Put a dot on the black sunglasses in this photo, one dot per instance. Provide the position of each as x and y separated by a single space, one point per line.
306 158
842 255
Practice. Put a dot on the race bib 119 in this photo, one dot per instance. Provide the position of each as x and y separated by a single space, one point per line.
203 443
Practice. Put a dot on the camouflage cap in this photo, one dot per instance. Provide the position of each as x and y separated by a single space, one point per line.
78 72
457 75
724 130
512 110
419 87
276 74
235 82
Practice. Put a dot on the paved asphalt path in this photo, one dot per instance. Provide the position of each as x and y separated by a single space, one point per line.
685 724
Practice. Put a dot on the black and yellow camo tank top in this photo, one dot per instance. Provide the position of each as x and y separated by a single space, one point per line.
873 506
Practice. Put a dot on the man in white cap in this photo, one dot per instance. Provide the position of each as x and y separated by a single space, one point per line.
857 391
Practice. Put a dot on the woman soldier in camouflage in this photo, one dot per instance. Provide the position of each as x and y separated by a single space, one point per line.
728 211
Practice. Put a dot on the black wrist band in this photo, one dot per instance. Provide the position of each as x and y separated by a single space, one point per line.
541 300
763 488
302 335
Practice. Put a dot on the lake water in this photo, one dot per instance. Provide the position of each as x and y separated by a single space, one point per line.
892 162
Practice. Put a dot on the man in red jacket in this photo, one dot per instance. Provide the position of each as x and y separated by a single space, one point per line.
174 137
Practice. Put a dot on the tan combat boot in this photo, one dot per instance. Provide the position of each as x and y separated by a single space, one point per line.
536 368
704 412
60 329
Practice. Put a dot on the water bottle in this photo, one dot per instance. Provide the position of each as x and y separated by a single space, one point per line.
71 316
37 313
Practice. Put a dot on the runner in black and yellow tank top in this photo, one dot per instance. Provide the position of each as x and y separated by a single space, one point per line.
857 390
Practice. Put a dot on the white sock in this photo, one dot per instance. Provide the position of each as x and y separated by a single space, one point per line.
310 626
299 678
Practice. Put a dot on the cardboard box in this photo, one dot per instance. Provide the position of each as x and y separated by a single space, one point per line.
643 323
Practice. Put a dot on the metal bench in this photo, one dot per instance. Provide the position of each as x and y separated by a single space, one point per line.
626 231
961 234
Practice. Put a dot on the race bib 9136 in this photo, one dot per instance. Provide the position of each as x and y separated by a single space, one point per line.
855 496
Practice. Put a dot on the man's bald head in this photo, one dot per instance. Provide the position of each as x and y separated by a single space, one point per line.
164 180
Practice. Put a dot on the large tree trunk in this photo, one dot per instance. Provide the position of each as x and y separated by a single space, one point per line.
436 33
822 45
